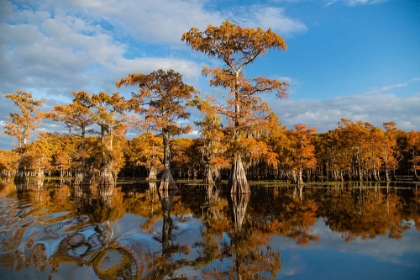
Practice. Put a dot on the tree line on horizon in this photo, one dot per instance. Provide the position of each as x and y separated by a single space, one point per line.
240 138
352 151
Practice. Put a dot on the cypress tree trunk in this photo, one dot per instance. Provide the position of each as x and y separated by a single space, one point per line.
20 175
300 180
237 178
152 174
167 181
208 176
106 177
217 175
294 177
360 171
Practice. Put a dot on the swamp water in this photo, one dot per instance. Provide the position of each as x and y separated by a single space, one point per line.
51 230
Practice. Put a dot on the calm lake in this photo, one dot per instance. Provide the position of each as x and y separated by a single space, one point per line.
52 230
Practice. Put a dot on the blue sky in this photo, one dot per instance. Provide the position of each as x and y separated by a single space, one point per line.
354 59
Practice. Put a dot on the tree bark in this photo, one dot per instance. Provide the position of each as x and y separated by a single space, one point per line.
237 178
300 179
295 179
106 177
167 182
152 174
208 174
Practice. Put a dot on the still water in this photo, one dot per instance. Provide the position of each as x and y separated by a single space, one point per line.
52 230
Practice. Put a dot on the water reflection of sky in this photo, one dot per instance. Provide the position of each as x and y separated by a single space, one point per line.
333 258
46 226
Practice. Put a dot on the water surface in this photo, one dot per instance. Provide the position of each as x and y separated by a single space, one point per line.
53 230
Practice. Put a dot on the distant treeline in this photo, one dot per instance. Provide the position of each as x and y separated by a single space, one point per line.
352 151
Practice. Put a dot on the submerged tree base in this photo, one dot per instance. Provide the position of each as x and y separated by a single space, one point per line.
167 182
211 175
152 174
106 177
237 182
208 178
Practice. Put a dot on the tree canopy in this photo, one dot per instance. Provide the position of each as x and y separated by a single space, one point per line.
237 47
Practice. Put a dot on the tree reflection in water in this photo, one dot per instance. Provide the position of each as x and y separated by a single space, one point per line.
138 232
250 259
364 211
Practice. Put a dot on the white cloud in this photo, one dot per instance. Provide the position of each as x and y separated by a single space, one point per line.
385 88
6 10
268 17
373 107
56 47
357 2
166 20
151 21
55 52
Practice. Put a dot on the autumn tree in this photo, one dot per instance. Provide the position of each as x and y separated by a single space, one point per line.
108 112
356 143
64 147
332 155
258 155
389 146
211 131
9 161
21 124
303 151
237 47
146 150
161 100
39 155
375 151
275 139
76 117
186 157
414 150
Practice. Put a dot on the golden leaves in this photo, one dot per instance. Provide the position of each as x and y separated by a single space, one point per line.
29 119
229 39
160 99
